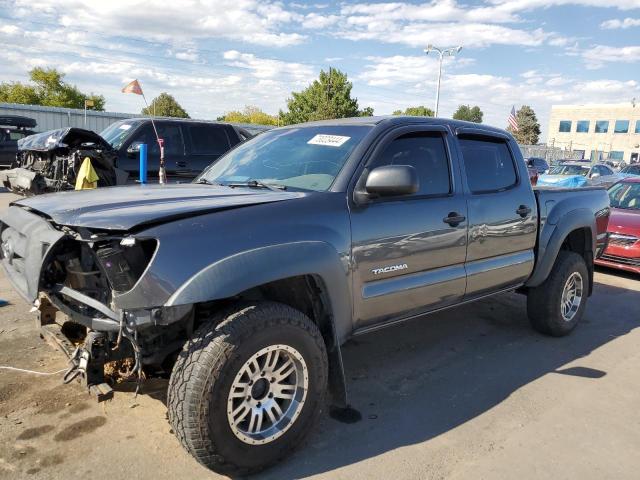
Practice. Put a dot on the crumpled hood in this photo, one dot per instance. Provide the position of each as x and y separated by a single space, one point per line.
123 208
562 180
61 138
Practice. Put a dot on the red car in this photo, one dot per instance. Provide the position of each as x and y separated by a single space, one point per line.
623 250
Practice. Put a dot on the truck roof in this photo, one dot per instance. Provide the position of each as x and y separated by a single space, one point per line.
400 120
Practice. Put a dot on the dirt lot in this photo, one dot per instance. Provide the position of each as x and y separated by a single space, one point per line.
470 393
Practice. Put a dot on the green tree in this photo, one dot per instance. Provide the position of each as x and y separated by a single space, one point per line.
528 130
366 112
250 114
327 97
48 88
419 111
469 114
164 105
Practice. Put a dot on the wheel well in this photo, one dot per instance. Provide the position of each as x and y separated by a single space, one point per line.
580 241
306 293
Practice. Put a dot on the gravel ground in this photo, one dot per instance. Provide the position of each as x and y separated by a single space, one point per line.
468 393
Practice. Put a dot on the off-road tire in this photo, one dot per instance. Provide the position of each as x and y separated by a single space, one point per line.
544 302
205 369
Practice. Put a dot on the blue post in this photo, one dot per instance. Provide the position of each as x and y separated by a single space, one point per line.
143 163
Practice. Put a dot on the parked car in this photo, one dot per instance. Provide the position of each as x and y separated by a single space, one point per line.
189 145
623 248
615 163
540 164
630 171
12 129
297 240
578 174
48 162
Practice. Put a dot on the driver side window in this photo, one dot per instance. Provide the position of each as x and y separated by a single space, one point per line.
426 153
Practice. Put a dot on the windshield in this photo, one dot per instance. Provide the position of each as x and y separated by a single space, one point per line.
625 195
306 158
631 170
569 170
116 133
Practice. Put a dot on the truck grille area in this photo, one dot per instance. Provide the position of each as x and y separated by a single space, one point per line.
634 262
26 239
622 240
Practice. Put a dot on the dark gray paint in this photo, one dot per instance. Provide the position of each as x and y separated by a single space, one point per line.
215 242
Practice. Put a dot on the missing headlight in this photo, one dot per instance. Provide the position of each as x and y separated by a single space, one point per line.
124 265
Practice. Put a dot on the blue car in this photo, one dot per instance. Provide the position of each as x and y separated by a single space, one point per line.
578 174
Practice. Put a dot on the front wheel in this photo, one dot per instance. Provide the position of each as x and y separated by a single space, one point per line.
557 305
248 387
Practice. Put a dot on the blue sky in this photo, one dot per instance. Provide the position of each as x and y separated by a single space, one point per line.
219 55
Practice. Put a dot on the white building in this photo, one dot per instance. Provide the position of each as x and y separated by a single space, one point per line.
597 131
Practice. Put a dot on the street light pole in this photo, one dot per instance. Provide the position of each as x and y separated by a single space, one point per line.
442 52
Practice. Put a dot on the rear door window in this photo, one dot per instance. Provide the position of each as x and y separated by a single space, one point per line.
208 139
488 164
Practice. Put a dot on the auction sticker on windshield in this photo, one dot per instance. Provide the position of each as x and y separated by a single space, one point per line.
328 140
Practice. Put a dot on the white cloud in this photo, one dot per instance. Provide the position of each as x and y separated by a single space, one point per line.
524 5
315 21
442 22
599 55
265 68
617 23
250 21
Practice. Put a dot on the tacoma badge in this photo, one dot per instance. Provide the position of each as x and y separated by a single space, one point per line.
391 268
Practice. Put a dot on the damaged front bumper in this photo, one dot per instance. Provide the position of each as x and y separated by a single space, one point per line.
56 269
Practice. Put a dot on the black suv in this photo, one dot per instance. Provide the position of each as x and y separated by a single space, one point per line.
189 145
540 164
12 129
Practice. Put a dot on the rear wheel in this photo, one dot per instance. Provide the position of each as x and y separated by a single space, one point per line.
248 386
556 306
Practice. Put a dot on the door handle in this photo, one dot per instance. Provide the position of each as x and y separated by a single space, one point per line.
454 219
523 211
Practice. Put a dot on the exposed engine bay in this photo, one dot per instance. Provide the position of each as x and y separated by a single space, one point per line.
73 276
81 275
50 162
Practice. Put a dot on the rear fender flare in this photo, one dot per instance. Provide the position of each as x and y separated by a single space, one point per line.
554 233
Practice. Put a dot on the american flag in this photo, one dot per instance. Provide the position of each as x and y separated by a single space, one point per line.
513 121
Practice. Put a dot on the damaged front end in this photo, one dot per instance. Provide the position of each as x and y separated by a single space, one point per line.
80 273
50 162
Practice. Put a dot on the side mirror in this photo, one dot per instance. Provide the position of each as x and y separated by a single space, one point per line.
595 175
133 149
392 180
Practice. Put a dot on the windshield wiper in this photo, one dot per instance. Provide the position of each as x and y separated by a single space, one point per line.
257 184
204 181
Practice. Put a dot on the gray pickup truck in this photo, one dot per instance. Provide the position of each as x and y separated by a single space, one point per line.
245 283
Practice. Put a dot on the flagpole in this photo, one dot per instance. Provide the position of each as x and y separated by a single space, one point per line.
162 174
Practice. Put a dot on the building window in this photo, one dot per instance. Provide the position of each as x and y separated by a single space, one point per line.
622 126
616 155
602 126
582 126
565 126
637 126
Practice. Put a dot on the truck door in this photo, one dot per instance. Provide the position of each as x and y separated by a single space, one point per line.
174 154
207 141
409 251
502 213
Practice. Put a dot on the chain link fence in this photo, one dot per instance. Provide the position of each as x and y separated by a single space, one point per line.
552 154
